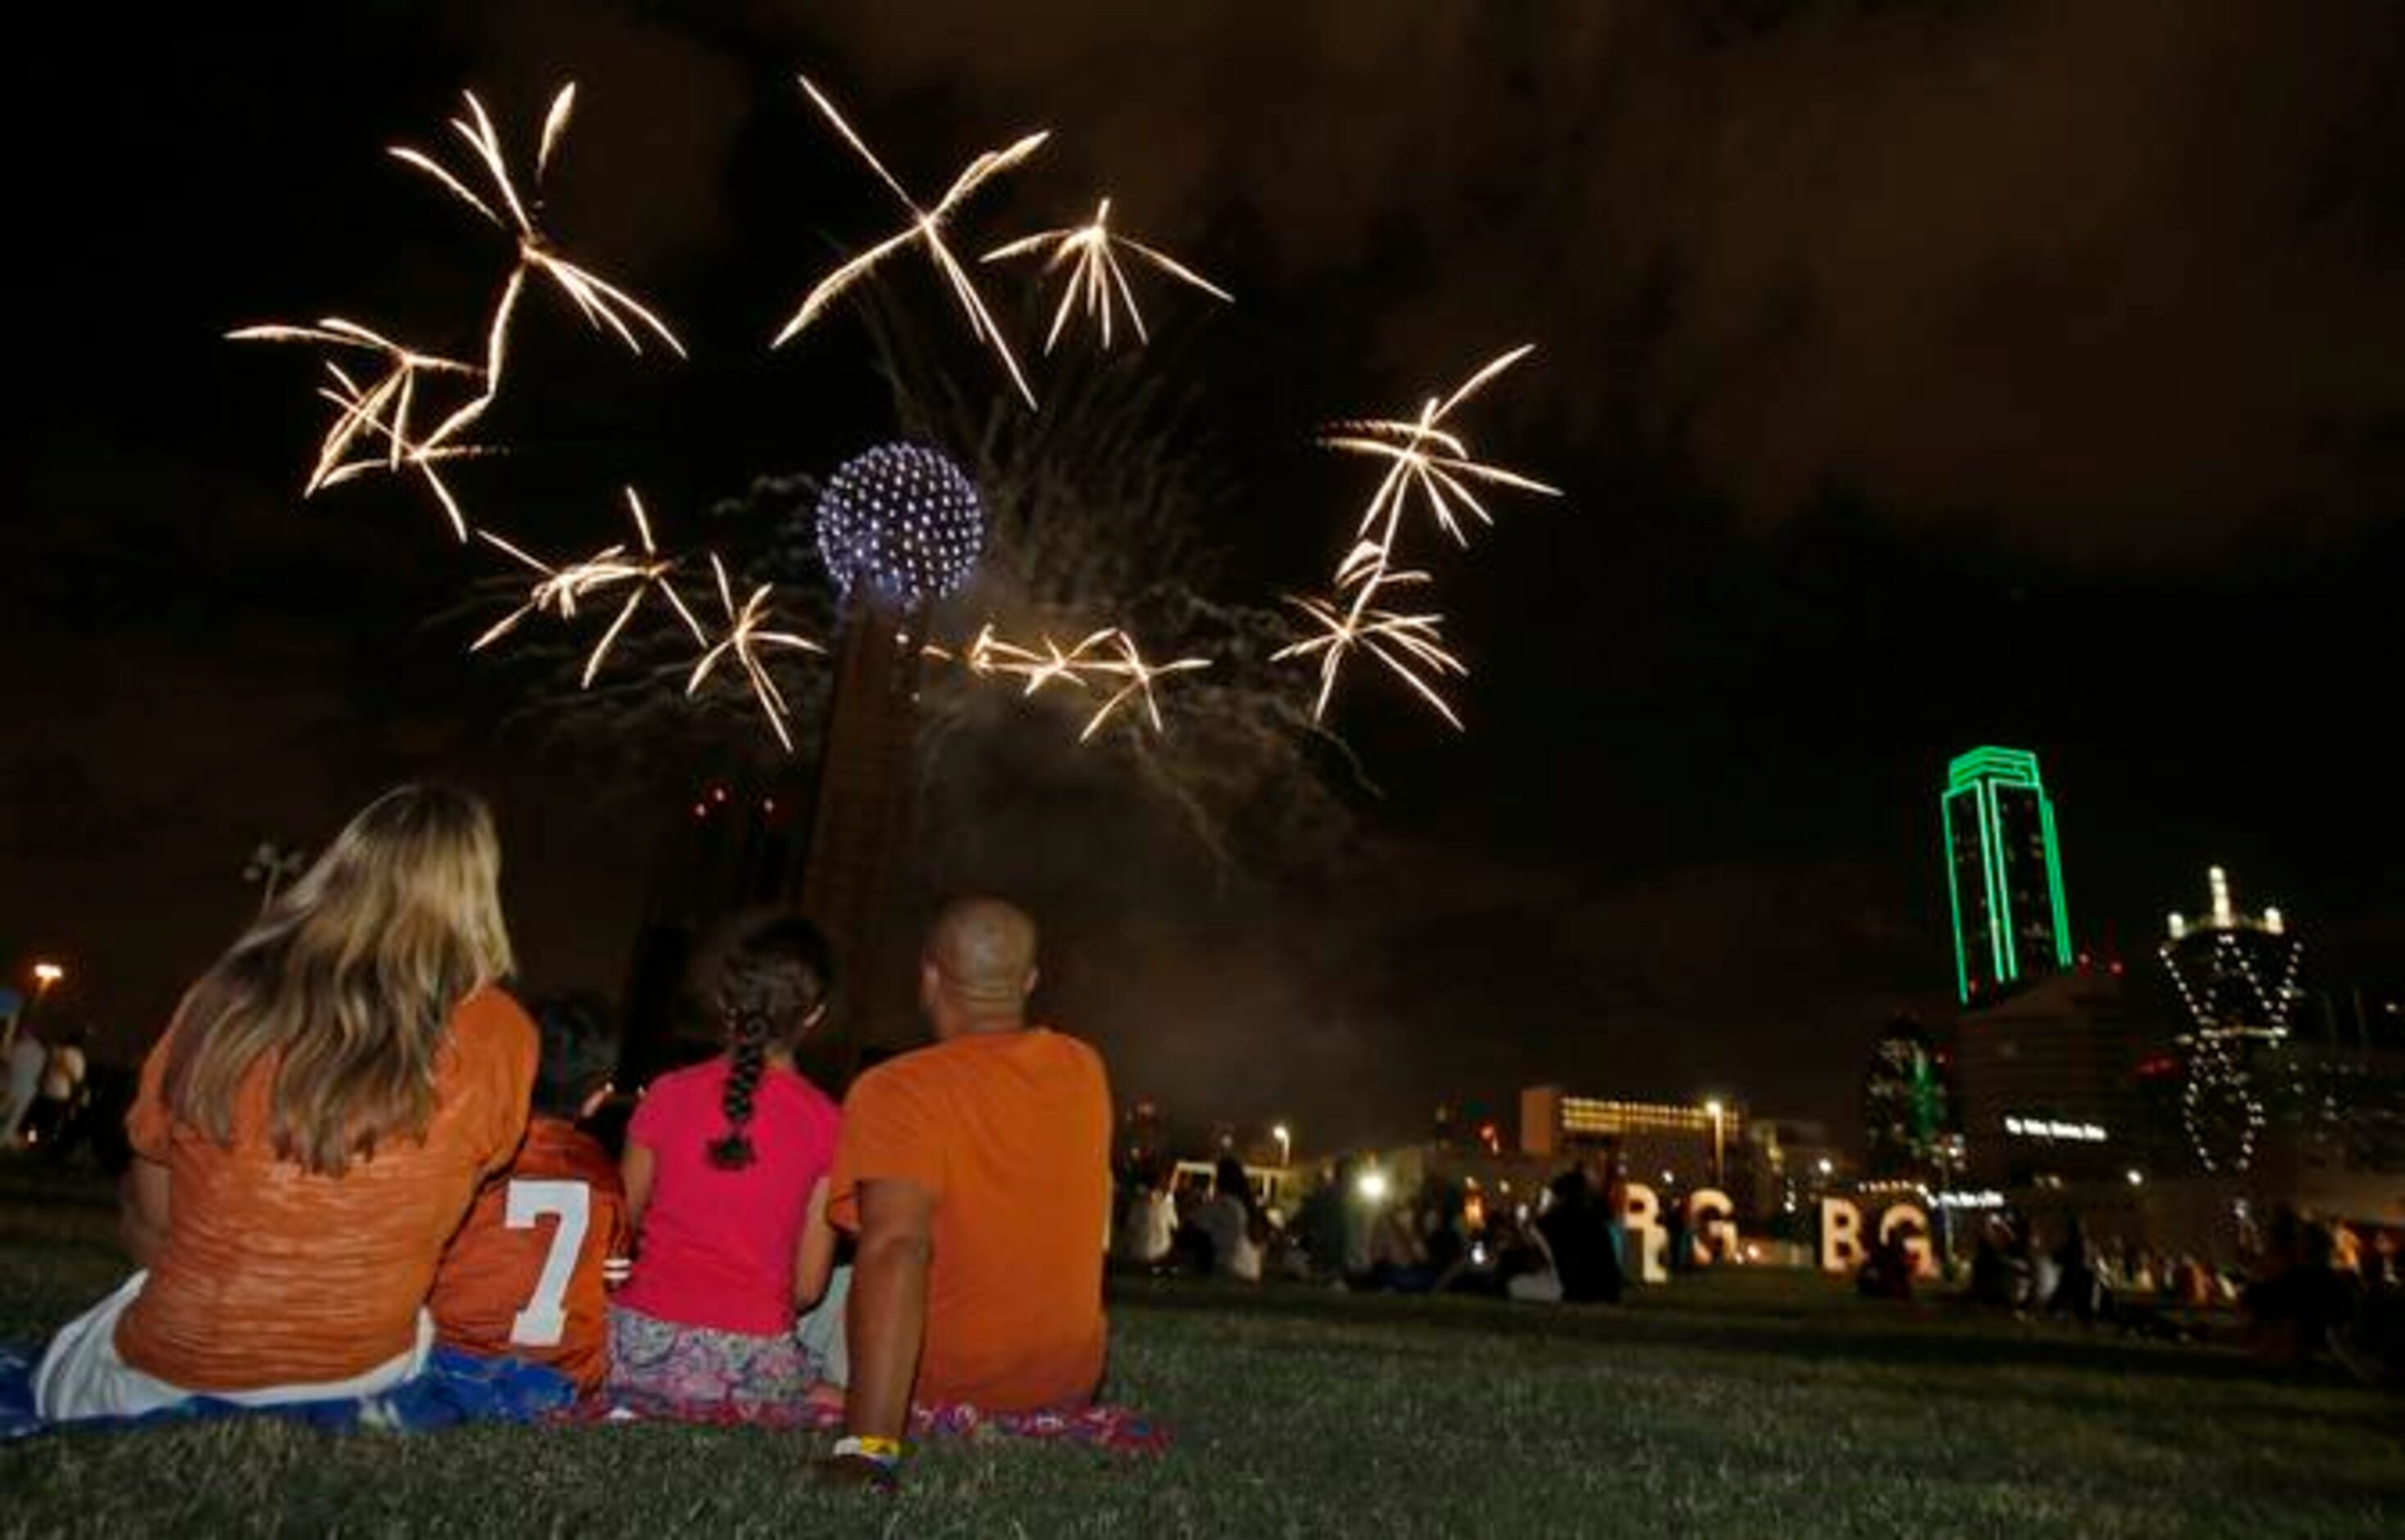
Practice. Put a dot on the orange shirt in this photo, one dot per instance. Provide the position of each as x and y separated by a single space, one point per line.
272 1276
523 1278
1010 1133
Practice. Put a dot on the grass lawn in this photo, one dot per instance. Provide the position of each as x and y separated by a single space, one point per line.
1757 1404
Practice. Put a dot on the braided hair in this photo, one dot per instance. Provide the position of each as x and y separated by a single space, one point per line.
772 984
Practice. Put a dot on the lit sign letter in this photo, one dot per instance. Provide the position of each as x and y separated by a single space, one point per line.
1712 1219
1841 1236
1916 1242
1650 1243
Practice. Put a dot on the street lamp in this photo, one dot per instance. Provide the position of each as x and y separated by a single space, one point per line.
47 976
1286 1144
1713 1107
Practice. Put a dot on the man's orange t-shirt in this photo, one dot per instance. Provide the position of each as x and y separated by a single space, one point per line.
524 1276
1010 1133
272 1276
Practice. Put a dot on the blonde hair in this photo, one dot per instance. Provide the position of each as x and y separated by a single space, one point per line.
347 983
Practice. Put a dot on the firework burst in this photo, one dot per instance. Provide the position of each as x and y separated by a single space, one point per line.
1106 661
1427 457
1424 456
747 636
1136 677
384 407
1410 645
1098 282
926 229
561 589
604 306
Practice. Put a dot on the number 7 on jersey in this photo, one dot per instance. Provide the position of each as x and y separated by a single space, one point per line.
544 1320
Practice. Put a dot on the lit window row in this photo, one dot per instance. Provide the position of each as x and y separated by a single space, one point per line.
2046 1128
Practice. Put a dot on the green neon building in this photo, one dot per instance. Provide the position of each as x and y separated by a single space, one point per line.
2004 873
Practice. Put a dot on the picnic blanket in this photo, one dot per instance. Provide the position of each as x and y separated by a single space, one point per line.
1120 1430
458 1388
455 1387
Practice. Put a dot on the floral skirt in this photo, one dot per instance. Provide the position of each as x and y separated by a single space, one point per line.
660 1367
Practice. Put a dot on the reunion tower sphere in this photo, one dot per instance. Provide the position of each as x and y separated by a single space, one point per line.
904 522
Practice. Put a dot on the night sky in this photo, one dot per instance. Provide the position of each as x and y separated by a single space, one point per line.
1922 374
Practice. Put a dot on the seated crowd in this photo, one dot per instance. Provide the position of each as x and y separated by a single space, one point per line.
351 1145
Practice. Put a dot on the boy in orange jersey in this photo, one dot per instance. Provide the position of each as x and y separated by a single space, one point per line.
528 1274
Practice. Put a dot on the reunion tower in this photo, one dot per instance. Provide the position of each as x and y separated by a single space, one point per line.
2236 978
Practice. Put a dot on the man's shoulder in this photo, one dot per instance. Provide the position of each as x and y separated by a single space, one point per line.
1079 1060
1067 1044
905 1075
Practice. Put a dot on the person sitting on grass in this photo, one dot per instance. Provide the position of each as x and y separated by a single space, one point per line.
1232 1221
976 1174
726 1181
28 1056
1577 1231
527 1275
1148 1223
310 1130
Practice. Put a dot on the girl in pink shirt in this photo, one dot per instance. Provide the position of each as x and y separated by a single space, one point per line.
726 1185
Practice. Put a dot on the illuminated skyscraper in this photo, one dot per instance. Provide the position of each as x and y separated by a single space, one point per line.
2004 873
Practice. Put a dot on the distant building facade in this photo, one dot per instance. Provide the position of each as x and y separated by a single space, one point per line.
2046 1078
1908 1103
2003 874
1679 1144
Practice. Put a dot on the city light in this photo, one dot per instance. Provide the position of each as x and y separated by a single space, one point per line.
1371 1184
2046 1128
1286 1144
46 978
1828 1167
2137 1178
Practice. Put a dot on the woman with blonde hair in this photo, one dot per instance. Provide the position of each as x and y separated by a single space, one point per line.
311 1129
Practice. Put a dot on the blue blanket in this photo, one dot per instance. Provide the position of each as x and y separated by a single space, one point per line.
454 1389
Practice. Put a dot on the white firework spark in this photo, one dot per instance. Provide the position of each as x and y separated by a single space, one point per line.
1428 457
604 306
1098 282
560 589
747 634
926 228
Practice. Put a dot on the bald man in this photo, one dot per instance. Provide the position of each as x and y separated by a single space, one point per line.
976 1175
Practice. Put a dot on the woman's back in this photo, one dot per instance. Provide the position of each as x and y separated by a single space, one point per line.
717 1244
271 1273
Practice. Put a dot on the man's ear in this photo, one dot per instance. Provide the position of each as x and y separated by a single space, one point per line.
1034 976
